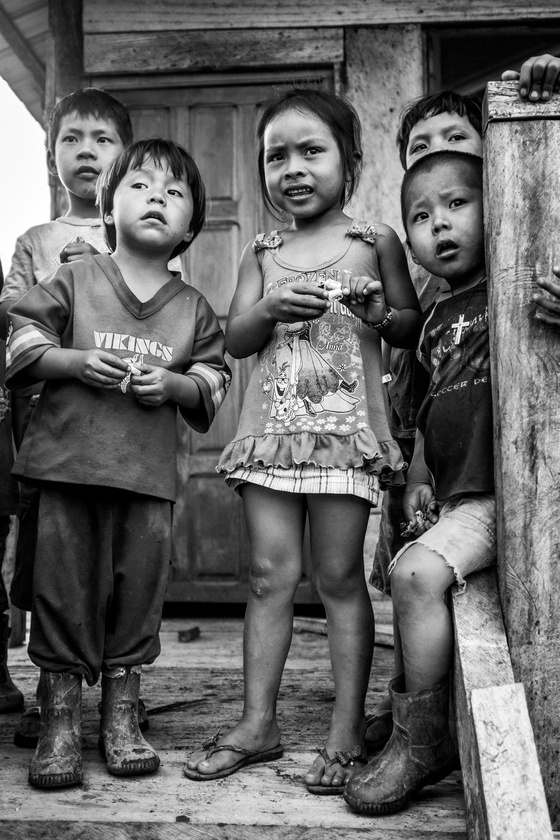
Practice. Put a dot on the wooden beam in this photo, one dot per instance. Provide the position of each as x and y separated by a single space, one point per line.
22 50
511 797
482 664
522 184
163 52
144 15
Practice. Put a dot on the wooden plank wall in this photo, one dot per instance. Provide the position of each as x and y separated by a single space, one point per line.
523 218
142 15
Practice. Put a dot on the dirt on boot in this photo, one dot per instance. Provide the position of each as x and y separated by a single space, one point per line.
420 752
58 759
124 748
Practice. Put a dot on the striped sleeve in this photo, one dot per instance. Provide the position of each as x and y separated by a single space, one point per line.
208 368
35 323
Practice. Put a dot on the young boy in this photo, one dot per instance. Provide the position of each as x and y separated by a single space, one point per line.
86 131
121 342
440 121
453 464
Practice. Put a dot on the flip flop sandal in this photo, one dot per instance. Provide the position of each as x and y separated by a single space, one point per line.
249 757
383 721
344 758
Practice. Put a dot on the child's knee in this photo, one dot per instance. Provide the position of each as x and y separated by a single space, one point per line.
267 579
419 574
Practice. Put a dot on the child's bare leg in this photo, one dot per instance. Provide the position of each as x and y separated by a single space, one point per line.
380 722
338 526
420 581
275 523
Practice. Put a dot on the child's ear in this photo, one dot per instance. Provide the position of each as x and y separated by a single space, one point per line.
188 237
108 218
51 164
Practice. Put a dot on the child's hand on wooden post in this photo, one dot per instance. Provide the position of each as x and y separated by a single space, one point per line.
538 79
548 305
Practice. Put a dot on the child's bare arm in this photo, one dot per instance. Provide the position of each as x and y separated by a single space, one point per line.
372 300
538 78
252 317
92 367
548 305
419 502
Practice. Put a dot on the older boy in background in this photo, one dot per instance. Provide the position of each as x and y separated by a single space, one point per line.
86 131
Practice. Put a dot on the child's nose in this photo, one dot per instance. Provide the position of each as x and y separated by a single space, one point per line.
87 150
294 167
440 222
157 197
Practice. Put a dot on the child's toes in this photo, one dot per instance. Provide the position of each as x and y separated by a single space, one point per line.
315 772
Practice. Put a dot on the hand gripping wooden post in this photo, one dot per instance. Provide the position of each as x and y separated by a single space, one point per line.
522 212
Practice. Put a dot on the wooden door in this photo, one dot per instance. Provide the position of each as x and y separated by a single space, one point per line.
216 123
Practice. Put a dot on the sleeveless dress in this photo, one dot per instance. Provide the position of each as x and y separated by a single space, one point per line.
314 417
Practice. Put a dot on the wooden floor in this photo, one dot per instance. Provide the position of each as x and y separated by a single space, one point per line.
201 681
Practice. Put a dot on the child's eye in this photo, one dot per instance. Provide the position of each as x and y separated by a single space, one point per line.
457 202
274 158
138 185
418 147
104 140
69 139
313 151
420 217
454 138
175 192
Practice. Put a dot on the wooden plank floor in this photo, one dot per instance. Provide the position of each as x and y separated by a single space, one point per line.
265 801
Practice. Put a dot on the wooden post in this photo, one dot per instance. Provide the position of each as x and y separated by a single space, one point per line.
522 208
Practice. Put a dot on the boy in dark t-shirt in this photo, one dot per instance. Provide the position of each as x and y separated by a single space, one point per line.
122 343
449 499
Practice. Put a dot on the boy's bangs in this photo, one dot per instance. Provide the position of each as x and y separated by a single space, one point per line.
166 157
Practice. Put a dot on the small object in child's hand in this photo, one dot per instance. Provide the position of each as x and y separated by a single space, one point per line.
409 531
134 370
333 289
189 635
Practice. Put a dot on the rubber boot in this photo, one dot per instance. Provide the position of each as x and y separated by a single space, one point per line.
420 752
11 698
58 758
121 743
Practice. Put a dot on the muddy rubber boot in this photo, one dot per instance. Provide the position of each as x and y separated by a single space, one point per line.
420 752
58 758
121 743
11 698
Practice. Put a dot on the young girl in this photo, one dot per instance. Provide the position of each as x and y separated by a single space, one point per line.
313 441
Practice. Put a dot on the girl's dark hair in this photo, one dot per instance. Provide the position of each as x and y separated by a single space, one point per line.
446 101
336 113
90 102
162 153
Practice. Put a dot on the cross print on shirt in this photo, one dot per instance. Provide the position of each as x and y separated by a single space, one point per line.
459 327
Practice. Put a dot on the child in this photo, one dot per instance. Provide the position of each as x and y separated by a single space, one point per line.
11 698
453 464
313 441
451 121
86 131
121 342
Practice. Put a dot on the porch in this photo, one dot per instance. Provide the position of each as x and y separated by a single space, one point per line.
192 690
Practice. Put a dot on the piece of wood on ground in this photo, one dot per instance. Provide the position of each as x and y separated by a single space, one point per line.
482 663
511 795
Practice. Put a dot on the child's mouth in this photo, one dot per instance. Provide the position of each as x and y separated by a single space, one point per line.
87 171
446 249
154 215
297 192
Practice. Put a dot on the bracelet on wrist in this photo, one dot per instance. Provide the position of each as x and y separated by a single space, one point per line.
381 324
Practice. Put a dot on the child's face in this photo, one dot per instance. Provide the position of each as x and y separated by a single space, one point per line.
443 132
303 166
84 147
444 223
152 210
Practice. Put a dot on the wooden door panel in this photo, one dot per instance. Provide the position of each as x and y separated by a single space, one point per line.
216 124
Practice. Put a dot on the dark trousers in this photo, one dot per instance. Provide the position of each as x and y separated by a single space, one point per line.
4 530
99 581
